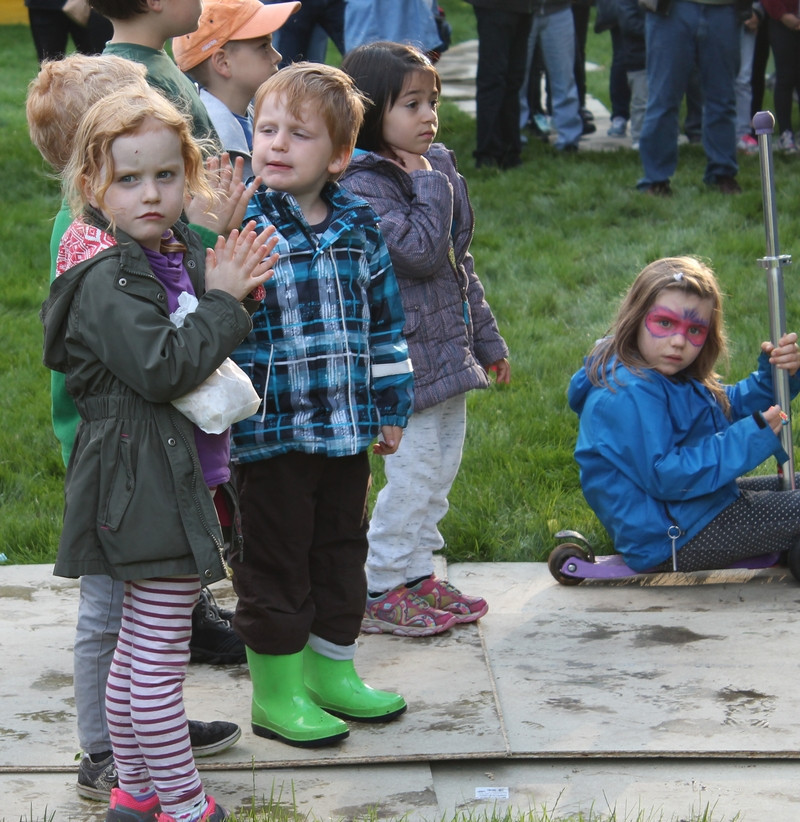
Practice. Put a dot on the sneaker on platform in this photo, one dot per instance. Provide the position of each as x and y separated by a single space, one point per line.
403 613
212 813
124 808
209 738
443 596
96 780
213 640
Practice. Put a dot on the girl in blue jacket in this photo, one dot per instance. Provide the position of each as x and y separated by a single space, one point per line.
662 443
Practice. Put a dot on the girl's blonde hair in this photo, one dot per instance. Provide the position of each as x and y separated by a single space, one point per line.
687 274
90 170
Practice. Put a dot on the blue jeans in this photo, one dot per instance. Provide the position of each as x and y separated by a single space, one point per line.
707 35
556 35
744 88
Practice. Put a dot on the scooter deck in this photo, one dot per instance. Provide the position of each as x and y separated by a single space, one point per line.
614 566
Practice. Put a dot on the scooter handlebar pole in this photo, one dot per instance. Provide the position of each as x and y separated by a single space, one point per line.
763 124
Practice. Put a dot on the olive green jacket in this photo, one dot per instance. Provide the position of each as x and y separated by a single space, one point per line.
136 505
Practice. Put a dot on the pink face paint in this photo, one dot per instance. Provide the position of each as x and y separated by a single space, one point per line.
663 322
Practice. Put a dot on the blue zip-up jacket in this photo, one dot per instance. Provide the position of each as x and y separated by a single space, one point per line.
327 353
657 452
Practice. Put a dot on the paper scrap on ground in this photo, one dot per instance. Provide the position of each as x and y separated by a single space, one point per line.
491 793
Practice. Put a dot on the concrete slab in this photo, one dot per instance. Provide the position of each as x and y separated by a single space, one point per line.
642 670
671 694
457 714
330 793
659 791
452 707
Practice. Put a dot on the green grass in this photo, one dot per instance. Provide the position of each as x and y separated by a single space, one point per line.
557 242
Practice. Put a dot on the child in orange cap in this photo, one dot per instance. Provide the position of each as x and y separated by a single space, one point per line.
229 57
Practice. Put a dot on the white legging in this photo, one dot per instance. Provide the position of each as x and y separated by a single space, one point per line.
144 695
403 531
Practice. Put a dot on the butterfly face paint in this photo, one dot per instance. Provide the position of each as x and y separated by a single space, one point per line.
663 322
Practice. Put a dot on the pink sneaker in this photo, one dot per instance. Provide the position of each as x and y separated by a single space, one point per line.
440 594
124 808
403 613
212 813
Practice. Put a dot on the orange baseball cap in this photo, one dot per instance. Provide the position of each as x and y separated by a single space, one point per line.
226 20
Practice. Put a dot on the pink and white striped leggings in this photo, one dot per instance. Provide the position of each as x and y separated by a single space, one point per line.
144 695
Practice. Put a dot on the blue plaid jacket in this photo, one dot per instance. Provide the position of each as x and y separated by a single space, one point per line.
326 354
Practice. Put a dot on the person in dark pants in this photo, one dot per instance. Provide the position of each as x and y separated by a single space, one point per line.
784 37
503 28
295 40
51 30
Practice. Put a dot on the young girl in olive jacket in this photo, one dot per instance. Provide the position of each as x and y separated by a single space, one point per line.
140 484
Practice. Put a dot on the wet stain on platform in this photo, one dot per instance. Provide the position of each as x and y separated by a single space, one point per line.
669 635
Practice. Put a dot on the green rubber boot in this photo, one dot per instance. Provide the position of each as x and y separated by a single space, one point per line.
282 708
335 686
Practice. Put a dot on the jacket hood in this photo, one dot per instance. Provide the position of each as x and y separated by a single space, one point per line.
370 159
579 388
82 242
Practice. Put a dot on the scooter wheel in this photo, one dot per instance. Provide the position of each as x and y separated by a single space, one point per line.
793 560
561 554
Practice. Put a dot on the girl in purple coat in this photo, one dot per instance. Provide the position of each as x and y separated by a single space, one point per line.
427 222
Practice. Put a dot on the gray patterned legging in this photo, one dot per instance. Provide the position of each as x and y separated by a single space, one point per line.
764 519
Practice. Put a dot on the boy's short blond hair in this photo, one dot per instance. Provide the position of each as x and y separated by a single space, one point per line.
327 90
90 170
64 90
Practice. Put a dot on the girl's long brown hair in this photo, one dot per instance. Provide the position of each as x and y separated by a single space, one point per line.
687 274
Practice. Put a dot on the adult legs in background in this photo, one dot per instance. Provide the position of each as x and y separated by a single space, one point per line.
760 60
556 34
618 88
295 38
786 52
743 86
580 19
637 81
502 51
693 122
51 30
718 61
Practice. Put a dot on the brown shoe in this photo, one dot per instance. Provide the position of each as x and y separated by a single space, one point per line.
661 189
728 185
